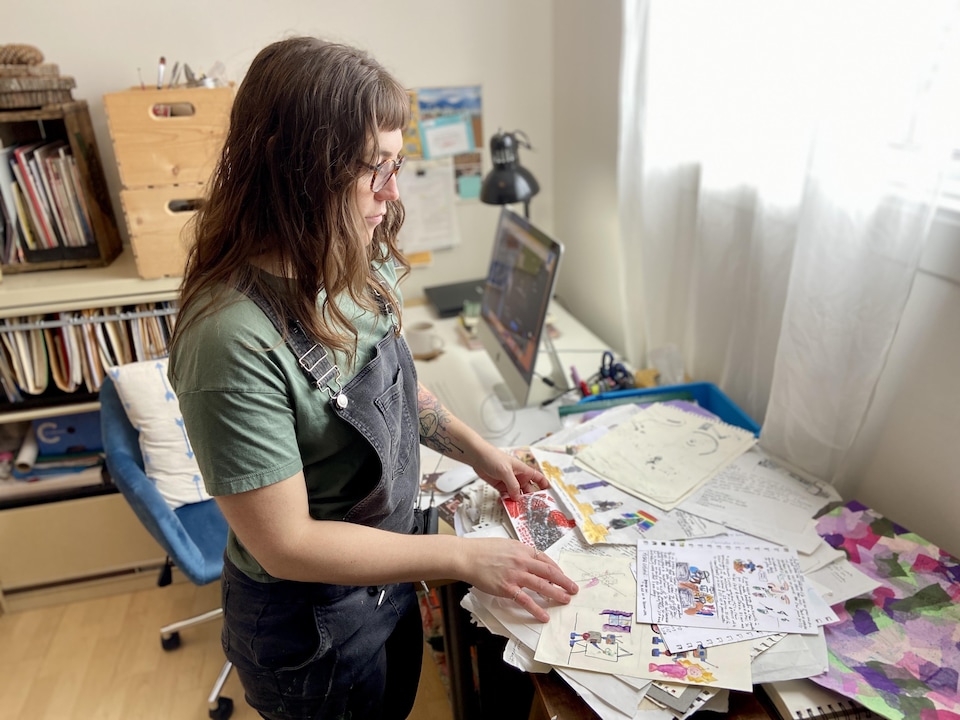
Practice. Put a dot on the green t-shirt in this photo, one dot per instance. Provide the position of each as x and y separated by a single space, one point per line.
254 418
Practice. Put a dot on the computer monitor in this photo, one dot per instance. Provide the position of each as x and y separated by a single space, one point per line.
513 310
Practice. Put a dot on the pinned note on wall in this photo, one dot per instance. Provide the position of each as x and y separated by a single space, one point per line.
428 191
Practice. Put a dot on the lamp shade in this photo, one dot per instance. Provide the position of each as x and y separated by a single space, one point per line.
508 182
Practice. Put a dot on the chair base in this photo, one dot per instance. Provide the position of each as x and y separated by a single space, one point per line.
219 708
168 630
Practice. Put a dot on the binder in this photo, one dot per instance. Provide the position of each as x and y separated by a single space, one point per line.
805 700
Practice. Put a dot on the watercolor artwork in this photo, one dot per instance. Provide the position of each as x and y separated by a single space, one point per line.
896 650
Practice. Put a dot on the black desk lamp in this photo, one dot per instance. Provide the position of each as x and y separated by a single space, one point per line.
509 182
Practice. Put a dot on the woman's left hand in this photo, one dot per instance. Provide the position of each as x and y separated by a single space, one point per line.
507 474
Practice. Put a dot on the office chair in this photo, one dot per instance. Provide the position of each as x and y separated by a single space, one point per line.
194 536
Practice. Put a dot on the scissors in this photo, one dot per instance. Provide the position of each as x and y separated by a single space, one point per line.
615 371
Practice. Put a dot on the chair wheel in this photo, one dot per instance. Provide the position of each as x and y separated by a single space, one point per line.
223 710
172 642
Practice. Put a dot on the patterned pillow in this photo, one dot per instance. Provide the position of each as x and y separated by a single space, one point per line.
153 409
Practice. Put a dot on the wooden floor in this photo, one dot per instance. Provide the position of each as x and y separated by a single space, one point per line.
102 660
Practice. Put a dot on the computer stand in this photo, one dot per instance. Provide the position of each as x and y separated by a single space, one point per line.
540 390
557 376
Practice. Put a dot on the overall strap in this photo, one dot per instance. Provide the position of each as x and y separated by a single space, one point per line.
312 357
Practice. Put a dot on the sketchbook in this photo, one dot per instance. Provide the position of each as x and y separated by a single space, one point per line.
805 700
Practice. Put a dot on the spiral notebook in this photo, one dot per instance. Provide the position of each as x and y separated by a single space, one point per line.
805 700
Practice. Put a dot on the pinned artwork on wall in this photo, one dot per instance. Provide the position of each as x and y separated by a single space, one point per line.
446 123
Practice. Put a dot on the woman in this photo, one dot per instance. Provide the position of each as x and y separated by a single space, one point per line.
315 465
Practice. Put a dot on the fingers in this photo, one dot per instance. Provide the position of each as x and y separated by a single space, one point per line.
553 574
530 605
547 580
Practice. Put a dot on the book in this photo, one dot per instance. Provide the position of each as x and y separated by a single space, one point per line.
805 700
29 223
23 155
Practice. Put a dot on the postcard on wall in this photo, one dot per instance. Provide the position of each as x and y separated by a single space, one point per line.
713 584
450 125
597 631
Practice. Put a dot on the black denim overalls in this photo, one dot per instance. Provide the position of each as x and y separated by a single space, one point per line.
313 650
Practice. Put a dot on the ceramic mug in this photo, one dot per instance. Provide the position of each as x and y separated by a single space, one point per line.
423 339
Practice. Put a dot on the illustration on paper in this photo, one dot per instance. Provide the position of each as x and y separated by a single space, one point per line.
663 454
537 519
708 584
597 630
606 514
606 643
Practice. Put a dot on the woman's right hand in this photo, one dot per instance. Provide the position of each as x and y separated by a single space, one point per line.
509 568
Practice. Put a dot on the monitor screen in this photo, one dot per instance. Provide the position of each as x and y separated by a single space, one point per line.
516 296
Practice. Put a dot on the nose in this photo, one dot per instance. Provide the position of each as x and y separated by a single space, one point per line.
390 191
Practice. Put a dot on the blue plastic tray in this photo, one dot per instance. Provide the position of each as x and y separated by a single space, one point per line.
705 394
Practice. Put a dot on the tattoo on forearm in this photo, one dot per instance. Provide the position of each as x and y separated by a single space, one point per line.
434 421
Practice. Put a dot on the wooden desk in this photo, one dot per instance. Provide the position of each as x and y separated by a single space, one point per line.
498 690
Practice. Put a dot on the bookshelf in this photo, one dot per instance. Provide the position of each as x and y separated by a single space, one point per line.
81 541
69 122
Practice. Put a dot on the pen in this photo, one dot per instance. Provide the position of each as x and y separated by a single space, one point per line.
383 592
174 74
578 381
160 68
431 518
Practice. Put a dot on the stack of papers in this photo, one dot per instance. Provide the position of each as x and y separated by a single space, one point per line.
696 555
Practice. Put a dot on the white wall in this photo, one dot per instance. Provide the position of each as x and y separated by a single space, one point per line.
586 107
505 46
905 463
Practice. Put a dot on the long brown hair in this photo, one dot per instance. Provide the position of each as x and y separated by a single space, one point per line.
301 127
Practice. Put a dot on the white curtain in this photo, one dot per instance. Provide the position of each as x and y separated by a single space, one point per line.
779 167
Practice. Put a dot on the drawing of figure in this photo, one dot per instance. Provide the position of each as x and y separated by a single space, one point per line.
684 670
694 598
748 565
605 505
780 587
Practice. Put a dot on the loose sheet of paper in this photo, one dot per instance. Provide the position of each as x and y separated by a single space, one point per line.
538 519
757 496
710 584
596 631
606 514
663 453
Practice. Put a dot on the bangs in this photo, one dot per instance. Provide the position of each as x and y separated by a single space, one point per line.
392 107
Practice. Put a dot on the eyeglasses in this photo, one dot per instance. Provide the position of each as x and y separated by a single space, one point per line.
382 172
